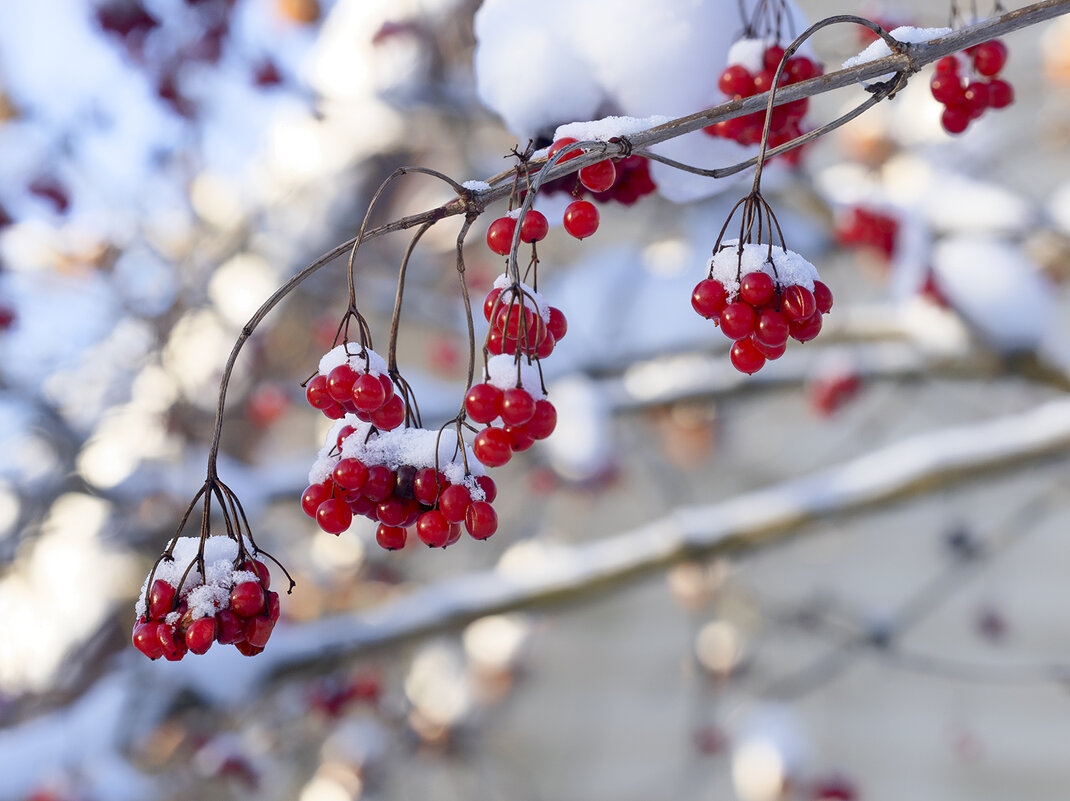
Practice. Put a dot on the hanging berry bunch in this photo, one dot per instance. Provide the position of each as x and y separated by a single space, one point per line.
752 69
627 181
760 294
867 227
208 589
968 84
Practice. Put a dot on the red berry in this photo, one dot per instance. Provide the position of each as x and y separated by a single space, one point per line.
771 328
490 489
558 324
481 520
773 55
519 438
771 352
563 142
388 386
427 484
737 320
340 383
146 639
581 218
763 81
546 345
492 447
947 88
454 501
483 402
433 529
746 357
258 630
797 302
598 177
172 642
708 298
489 303
455 534
1000 93
736 81
359 505
757 289
334 516
247 599
806 329
822 297
976 97
273 607
367 393
517 406
799 68
535 227
948 64
392 538
543 421
390 415
989 57
201 634
246 648
161 599
392 512
313 496
500 235
258 567
350 474
316 393
955 119
228 627
380 484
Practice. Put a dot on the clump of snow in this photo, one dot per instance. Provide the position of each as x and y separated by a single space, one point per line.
749 53
996 288
206 596
607 128
504 371
785 266
908 35
356 357
532 299
476 186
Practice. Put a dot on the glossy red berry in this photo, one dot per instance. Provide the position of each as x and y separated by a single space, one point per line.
771 328
771 352
948 64
947 88
201 634
955 119
534 228
161 599
340 383
367 393
433 529
392 512
492 447
708 298
757 289
483 403
172 642
334 516
350 474
146 639
500 235
806 329
560 144
543 421
800 68
490 489
257 630
517 406
380 484
772 57
581 218
976 98
481 520
1000 93
228 627
491 302
316 393
746 357
247 599
390 415
519 438
797 302
822 297
453 502
598 177
736 81
737 320
558 324
392 538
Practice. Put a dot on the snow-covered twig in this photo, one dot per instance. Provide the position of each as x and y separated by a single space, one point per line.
755 519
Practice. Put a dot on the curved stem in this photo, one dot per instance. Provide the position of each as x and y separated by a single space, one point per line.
395 320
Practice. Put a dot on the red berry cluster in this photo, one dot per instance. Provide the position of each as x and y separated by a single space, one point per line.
633 181
354 380
760 302
832 389
861 226
737 81
394 478
966 96
233 606
510 399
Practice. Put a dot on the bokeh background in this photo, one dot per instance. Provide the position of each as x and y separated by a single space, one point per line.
166 164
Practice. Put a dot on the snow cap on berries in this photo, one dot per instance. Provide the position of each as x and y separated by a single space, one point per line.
501 372
532 299
352 354
791 268
204 597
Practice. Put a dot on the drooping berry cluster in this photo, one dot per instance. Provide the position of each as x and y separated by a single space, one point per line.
752 65
183 611
863 226
511 400
354 380
761 295
631 178
400 478
968 84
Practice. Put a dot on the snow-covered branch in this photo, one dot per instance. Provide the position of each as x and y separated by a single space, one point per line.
557 573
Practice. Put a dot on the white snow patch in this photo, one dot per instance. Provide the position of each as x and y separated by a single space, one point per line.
476 186
503 371
787 267
906 34
360 360
532 299
749 53
608 127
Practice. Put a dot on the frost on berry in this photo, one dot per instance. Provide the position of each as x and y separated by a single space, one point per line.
184 610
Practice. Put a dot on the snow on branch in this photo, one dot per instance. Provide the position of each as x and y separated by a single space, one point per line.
558 573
